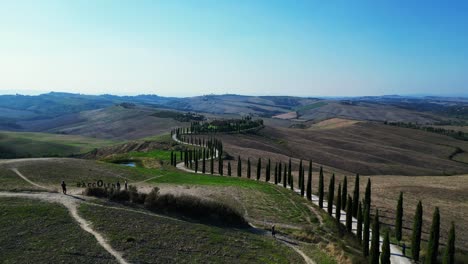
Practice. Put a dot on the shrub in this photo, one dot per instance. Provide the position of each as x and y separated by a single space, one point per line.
96 191
195 208
119 195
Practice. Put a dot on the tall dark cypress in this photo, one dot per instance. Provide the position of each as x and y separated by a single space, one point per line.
449 256
248 168
309 183
433 244
344 193
375 242
220 166
229 168
276 173
196 163
359 223
338 204
349 214
259 168
356 195
385 256
268 171
285 178
172 158
302 182
289 171
366 231
367 196
417 228
399 218
331 194
279 172
291 183
212 165
300 174
239 167
320 188
204 161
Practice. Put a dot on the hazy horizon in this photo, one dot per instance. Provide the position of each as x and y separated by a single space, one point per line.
189 48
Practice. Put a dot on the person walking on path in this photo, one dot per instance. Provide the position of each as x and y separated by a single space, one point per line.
126 185
404 249
64 187
273 232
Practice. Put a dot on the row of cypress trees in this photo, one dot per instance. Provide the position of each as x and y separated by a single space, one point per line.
353 206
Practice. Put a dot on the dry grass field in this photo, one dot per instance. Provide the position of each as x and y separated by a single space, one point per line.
367 148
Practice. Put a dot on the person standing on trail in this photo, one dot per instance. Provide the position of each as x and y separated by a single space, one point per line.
126 185
404 249
118 185
64 187
273 232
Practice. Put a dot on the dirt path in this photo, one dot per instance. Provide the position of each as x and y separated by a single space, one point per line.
71 203
15 170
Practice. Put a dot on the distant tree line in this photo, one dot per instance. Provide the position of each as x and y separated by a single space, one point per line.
223 126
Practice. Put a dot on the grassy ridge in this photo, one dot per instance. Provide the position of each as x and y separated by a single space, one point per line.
30 144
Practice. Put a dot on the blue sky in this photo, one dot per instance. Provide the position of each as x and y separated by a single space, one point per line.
185 48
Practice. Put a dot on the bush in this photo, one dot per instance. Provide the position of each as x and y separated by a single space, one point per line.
195 208
135 196
96 192
119 195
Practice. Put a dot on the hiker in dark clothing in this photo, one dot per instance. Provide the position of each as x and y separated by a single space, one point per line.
118 185
126 185
404 249
64 187
273 232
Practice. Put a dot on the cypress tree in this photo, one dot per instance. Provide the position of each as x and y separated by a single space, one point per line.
349 214
239 167
302 182
276 173
229 168
300 174
309 183
344 192
417 228
338 204
220 166
433 244
331 194
367 196
399 218
320 188
267 172
291 184
375 242
172 158
279 171
449 256
285 179
289 171
359 223
259 168
385 256
248 168
212 165
196 163
356 195
204 162
366 233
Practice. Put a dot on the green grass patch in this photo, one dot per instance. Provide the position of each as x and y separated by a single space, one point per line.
39 232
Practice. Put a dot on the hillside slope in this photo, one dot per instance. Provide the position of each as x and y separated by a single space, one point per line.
366 148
